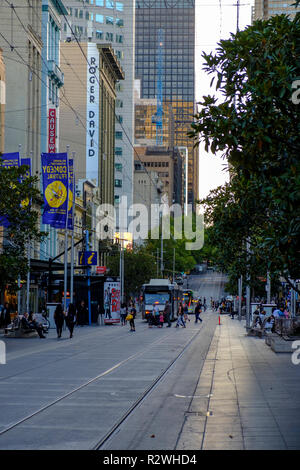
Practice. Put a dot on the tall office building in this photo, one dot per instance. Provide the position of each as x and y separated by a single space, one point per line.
111 22
177 20
265 8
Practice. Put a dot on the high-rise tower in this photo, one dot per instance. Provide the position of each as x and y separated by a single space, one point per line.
177 19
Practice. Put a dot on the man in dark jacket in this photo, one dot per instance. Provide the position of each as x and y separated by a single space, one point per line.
32 325
167 312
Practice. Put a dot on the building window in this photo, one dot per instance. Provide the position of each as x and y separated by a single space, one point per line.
99 34
119 38
99 3
118 166
118 183
119 103
119 6
119 135
119 118
110 4
117 199
119 22
109 37
99 18
118 151
109 20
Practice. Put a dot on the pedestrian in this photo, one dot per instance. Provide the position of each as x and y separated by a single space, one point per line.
71 318
59 318
198 310
5 315
167 312
180 319
82 314
133 315
161 320
123 314
186 312
156 314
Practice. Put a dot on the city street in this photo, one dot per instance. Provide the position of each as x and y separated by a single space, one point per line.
204 387
68 394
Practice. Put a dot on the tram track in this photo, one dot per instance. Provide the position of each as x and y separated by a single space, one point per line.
100 442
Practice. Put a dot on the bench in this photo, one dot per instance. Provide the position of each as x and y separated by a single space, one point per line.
258 330
15 330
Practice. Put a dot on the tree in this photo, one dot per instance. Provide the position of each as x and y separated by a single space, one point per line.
257 128
18 199
139 268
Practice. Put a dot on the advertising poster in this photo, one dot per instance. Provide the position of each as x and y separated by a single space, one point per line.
112 295
56 188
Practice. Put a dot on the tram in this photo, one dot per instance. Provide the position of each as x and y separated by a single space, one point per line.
157 292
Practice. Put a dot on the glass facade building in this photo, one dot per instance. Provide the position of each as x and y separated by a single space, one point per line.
177 20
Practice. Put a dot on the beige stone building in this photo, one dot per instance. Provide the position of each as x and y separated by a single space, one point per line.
2 101
166 163
22 48
90 130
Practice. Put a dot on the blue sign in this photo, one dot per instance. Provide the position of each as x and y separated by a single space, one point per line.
9 160
87 258
56 188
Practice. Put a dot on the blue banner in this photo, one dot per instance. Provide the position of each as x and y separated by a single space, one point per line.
9 160
71 195
56 188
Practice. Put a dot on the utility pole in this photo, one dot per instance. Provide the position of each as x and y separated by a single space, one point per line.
72 241
88 278
268 288
240 285
248 290
161 249
173 265
66 239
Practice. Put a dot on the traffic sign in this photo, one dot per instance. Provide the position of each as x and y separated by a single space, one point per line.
101 269
87 258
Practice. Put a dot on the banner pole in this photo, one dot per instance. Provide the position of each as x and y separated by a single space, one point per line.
72 242
28 257
66 238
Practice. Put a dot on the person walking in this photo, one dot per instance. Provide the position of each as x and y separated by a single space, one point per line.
167 312
71 319
156 314
123 314
198 310
131 321
82 314
180 319
59 318
5 314
186 312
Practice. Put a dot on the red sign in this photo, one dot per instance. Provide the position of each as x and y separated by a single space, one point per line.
101 269
52 131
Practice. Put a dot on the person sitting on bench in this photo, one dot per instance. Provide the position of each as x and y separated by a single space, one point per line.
31 325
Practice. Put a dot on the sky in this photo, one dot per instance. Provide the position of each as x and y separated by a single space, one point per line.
213 24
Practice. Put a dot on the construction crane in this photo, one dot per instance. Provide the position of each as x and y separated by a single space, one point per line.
158 116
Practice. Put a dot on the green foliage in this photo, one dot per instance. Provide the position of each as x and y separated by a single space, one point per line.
15 196
139 268
257 128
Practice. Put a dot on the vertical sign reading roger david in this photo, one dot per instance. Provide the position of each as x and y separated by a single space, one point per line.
92 112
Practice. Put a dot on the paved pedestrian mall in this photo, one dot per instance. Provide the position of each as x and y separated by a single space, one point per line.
252 396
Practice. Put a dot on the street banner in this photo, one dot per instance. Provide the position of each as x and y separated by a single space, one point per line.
55 188
9 160
87 258
71 195
26 161
52 130
112 296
